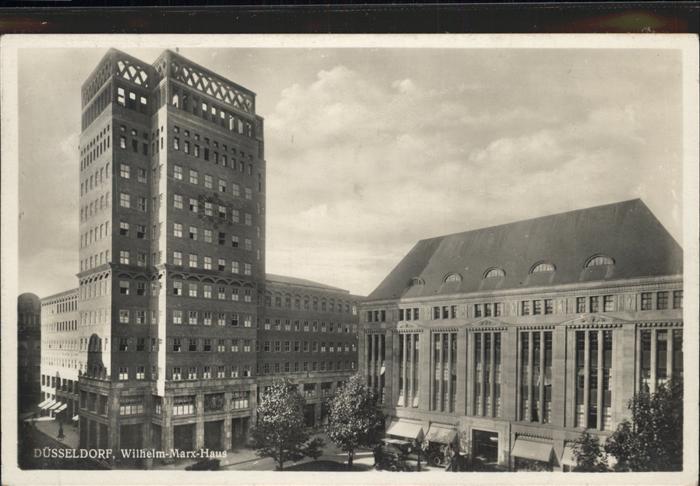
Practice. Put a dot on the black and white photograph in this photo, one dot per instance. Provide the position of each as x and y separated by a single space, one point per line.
357 259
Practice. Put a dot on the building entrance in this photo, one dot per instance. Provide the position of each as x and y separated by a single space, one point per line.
485 447
239 431
183 437
212 435
310 415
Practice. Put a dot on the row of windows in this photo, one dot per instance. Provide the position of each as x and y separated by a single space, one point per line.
222 185
94 234
230 215
126 201
234 153
88 210
181 99
63 384
205 373
60 326
94 260
539 267
308 303
95 180
208 345
208 317
307 326
303 366
68 304
596 303
206 235
662 300
222 291
193 262
305 346
95 147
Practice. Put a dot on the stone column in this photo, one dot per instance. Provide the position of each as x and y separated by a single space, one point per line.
462 372
167 432
530 375
403 392
470 373
561 396
652 384
540 392
599 364
448 369
199 427
492 375
227 435
586 377
425 370
510 374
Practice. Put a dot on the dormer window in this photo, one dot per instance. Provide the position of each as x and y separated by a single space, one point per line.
599 260
453 277
494 273
416 281
542 267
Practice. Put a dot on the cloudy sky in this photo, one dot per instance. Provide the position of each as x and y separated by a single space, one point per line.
370 150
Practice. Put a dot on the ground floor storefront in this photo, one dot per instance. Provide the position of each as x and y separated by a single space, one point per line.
484 443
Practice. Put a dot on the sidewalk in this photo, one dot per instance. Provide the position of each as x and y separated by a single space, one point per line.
50 428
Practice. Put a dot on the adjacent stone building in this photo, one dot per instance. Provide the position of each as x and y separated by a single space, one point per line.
63 359
28 351
512 340
309 334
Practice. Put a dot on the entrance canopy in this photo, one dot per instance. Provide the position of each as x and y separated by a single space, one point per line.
76 418
530 449
55 406
404 428
41 405
568 458
51 403
61 408
443 434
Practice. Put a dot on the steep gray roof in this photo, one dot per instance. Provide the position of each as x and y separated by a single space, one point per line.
626 231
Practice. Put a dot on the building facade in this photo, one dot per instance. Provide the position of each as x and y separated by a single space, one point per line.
174 330
62 361
309 335
511 340
28 351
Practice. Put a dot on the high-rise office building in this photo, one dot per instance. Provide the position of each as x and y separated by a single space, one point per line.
172 252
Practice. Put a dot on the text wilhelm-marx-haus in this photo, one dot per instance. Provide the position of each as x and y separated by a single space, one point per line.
513 339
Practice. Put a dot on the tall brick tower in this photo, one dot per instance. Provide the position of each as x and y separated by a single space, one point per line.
172 254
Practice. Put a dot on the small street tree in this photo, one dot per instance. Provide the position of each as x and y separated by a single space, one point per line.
280 431
588 453
354 419
653 439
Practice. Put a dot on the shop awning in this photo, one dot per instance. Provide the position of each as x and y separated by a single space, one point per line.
49 404
76 418
55 406
443 434
404 428
61 408
530 449
567 457
44 403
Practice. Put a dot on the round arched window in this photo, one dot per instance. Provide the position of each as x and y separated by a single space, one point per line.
543 267
495 273
599 260
453 277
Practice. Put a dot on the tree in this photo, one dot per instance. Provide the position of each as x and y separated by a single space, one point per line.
280 431
354 419
653 439
589 454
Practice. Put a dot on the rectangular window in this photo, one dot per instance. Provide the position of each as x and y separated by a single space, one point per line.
525 307
662 300
608 303
548 306
536 307
677 299
594 304
177 201
580 305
